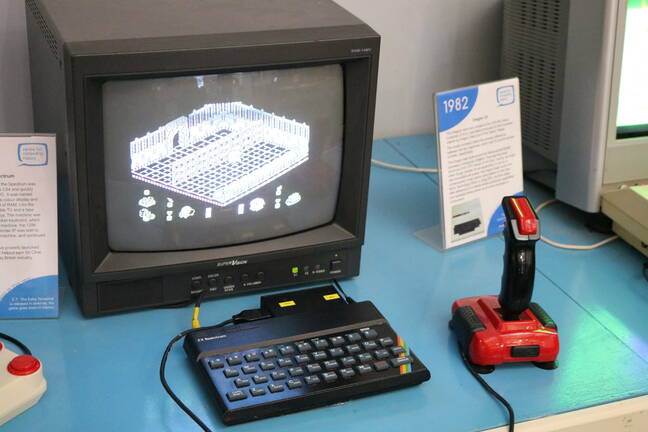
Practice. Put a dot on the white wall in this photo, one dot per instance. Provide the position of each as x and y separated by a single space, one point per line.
427 45
15 90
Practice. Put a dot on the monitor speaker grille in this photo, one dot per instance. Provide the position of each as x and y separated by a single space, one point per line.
44 28
534 34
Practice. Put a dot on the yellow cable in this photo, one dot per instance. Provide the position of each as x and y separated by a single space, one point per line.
194 322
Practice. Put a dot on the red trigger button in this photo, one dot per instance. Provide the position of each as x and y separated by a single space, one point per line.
526 219
23 365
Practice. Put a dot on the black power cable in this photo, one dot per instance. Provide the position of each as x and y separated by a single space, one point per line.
339 288
490 390
16 342
163 380
245 316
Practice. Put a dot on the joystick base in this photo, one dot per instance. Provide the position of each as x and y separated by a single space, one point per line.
21 383
489 340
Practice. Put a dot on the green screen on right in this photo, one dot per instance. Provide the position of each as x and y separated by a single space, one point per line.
632 117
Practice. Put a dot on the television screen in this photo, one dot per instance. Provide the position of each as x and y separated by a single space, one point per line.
632 118
222 159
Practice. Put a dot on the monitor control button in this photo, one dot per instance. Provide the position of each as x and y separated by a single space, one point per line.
228 280
196 284
260 276
335 266
213 282
245 278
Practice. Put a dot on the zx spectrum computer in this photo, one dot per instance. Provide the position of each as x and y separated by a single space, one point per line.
583 69
204 145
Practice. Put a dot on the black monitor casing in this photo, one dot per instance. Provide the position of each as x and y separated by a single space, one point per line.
77 45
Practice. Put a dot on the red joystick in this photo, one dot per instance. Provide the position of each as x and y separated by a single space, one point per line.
23 365
509 328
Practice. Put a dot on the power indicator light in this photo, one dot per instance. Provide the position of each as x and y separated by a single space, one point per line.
295 270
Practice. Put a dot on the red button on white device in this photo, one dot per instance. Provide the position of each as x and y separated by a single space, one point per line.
526 219
23 365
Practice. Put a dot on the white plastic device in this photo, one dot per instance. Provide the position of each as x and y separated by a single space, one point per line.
22 383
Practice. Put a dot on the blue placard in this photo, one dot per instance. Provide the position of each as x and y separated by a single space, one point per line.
453 107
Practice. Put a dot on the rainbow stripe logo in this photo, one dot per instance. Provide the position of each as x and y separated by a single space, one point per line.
408 367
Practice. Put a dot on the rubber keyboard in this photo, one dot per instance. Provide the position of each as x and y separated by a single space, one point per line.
295 362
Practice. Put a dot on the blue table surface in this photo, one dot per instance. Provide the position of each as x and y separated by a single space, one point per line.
103 372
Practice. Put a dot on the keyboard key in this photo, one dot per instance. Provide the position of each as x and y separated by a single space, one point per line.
242 382
275 388
370 334
347 373
302 359
267 365
257 391
370 345
296 371
348 361
336 352
353 337
331 365
216 363
337 341
386 342
397 350
353 349
314 368
321 344
293 384
260 379
249 369
381 354
287 350
236 395
365 358
400 361
252 357
329 377
269 353
230 372
381 366
234 360
319 356
285 362
304 347
278 375
364 369
312 380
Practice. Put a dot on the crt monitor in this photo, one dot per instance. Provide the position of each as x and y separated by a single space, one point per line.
219 146
582 66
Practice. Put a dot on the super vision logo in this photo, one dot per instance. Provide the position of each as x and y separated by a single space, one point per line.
232 263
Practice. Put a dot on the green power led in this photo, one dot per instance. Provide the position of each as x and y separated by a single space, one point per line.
295 270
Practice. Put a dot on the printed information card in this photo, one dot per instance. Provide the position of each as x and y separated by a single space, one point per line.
28 227
480 158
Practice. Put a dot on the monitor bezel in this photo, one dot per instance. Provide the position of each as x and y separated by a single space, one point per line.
345 231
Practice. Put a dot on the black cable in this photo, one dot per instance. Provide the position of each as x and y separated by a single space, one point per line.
339 288
163 380
490 390
16 342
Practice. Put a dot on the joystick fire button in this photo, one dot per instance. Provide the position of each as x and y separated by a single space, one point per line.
527 221
23 365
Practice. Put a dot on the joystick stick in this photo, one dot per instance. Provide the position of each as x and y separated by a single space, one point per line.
509 328
21 383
